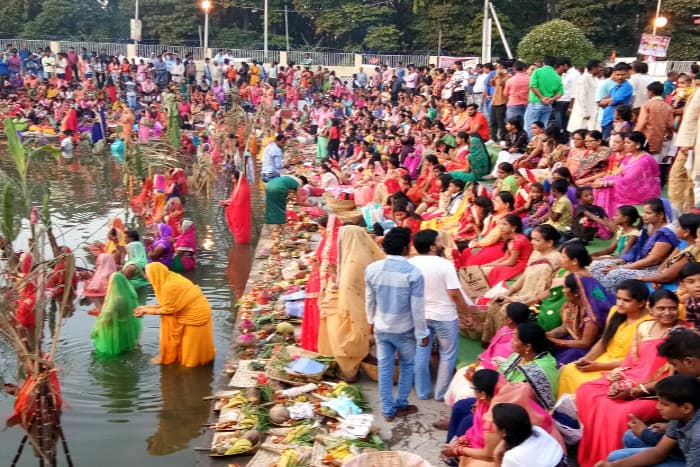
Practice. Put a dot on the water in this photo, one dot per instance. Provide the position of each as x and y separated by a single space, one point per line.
129 411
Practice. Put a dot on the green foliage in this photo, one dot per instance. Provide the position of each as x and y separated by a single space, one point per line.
685 36
557 38
8 214
382 38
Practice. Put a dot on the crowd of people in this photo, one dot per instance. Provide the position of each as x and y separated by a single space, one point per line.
543 183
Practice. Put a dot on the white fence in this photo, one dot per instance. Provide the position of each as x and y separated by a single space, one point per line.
683 67
110 48
392 61
322 58
145 50
32 44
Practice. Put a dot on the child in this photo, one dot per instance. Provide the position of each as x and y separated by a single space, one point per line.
624 223
505 179
589 219
679 400
67 145
690 284
535 208
680 96
561 211
435 202
522 196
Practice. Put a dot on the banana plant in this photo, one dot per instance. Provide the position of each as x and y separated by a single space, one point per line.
17 195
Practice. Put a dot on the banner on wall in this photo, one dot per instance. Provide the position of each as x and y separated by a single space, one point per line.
447 62
654 46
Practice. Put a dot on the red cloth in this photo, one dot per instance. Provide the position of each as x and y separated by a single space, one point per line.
70 121
238 211
327 256
482 256
25 306
25 403
504 273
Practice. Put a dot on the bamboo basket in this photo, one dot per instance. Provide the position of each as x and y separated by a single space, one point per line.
338 205
349 217
372 371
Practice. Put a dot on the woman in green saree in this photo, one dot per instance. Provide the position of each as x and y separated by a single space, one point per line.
135 265
116 330
479 161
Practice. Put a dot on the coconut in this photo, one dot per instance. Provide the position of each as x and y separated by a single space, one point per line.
279 414
246 325
246 340
285 328
253 436
253 395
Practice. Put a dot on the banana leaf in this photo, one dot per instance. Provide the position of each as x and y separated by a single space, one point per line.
15 146
8 213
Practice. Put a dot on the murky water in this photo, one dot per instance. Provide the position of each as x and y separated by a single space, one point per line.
129 411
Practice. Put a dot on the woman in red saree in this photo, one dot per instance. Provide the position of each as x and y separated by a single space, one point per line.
488 247
604 405
517 251
459 161
57 279
141 202
174 212
325 261
238 210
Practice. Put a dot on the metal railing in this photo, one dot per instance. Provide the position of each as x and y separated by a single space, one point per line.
110 48
145 50
392 61
248 54
682 67
32 44
322 58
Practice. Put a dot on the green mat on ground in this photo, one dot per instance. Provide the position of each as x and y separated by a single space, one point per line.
468 350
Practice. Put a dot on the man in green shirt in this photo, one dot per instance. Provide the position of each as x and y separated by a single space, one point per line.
545 88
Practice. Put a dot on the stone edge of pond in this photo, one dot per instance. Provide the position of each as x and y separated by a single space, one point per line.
412 434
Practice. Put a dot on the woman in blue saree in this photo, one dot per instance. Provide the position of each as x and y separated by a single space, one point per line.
583 317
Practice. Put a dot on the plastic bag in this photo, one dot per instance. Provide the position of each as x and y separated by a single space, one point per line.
566 418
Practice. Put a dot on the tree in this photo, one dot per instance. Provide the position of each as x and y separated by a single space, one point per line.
685 36
382 38
557 38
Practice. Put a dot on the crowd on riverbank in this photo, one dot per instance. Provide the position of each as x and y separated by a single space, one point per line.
530 200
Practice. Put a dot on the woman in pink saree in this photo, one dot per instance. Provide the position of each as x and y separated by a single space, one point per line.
478 444
96 288
604 405
325 261
185 248
637 180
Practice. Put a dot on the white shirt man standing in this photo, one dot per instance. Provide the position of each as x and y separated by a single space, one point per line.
443 299
584 107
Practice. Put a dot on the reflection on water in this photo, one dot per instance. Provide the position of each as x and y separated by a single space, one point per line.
127 409
184 412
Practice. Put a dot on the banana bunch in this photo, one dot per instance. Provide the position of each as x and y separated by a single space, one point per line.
339 389
340 452
248 422
289 458
239 446
296 433
236 401
301 398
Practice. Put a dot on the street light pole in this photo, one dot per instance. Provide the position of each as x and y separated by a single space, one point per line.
206 5
136 17
656 18
265 34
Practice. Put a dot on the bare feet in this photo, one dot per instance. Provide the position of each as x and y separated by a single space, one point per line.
155 360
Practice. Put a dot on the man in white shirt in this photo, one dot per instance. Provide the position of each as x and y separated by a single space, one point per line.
584 107
411 79
458 81
479 85
48 63
443 298
639 79
569 78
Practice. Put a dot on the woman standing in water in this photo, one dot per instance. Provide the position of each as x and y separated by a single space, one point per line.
117 330
186 333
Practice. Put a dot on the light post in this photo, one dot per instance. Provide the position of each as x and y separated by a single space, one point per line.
659 21
265 33
206 6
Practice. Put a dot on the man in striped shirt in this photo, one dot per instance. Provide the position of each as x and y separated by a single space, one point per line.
396 315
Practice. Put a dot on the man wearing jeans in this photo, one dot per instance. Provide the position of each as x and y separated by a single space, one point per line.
396 315
443 297
545 89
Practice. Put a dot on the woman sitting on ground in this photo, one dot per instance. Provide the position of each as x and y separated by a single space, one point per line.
608 353
489 246
521 442
479 441
583 317
517 251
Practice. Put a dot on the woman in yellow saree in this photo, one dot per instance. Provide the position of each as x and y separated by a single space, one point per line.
186 333
608 353
343 325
